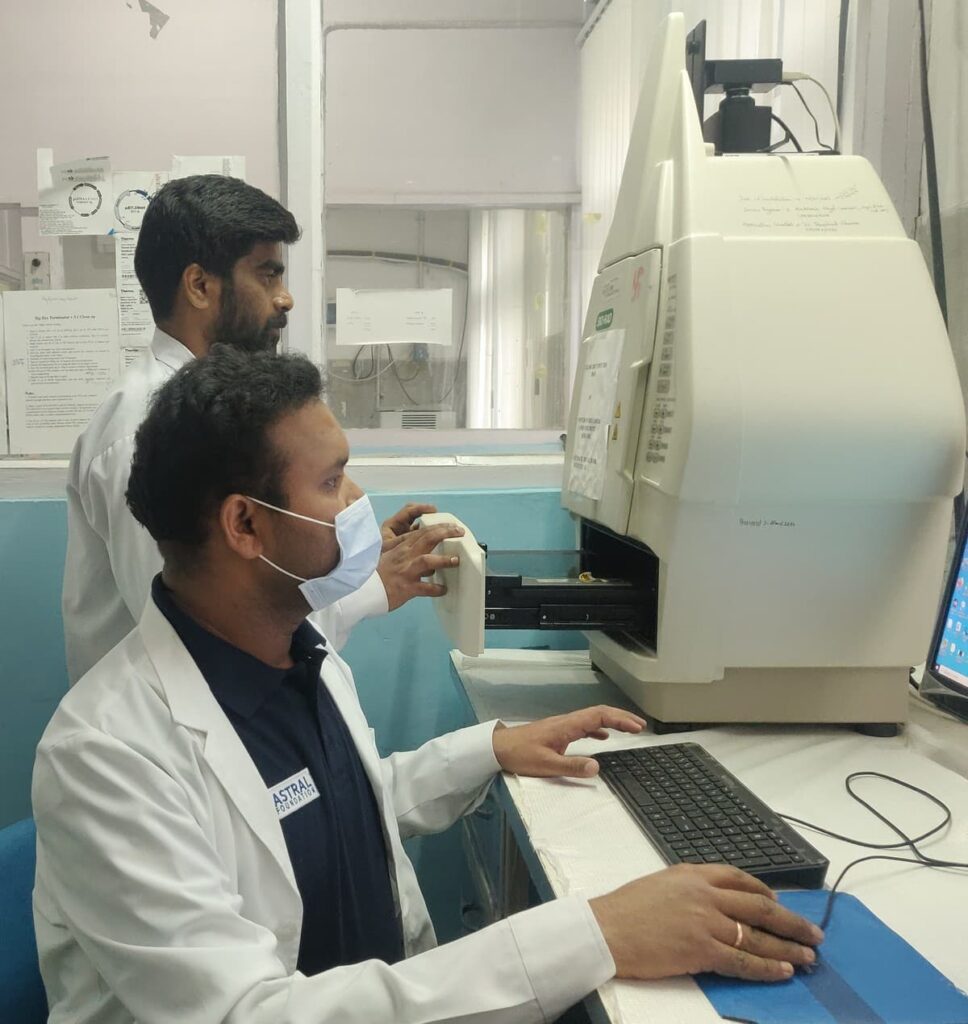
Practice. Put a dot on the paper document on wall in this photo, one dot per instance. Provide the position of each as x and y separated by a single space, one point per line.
133 190
129 356
230 166
76 197
135 322
3 391
596 408
61 357
416 316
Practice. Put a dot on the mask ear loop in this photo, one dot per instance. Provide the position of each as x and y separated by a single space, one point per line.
278 568
295 515
288 512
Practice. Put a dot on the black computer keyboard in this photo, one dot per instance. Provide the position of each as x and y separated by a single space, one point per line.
695 811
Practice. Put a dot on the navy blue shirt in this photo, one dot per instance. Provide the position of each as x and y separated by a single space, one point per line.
293 731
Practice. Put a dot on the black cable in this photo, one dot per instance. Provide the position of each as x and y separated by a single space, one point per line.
400 380
931 172
879 846
393 362
776 145
790 137
922 859
806 107
460 349
369 373
828 910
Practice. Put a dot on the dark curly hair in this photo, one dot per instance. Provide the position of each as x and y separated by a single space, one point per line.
206 436
206 219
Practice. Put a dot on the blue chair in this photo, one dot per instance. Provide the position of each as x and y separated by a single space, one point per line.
22 998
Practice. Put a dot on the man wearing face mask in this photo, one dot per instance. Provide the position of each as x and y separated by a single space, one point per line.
218 838
210 262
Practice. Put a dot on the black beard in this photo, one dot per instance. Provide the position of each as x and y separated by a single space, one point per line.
235 326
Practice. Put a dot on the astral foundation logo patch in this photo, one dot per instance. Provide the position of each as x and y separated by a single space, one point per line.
293 793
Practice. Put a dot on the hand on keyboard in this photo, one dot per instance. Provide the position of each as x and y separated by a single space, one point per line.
538 748
690 918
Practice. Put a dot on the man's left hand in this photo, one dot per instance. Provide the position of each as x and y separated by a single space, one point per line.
401 523
538 749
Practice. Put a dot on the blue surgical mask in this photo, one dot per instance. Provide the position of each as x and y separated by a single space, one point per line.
360 543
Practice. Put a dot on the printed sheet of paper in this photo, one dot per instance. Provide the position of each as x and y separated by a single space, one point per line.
231 166
389 317
596 406
62 355
129 356
76 197
132 192
135 322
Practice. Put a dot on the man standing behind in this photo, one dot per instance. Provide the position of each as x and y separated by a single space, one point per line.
210 262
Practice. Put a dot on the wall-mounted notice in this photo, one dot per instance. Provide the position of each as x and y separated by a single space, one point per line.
135 322
129 356
397 316
596 405
62 355
76 197
231 166
133 190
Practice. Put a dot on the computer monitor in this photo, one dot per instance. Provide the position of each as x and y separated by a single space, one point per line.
945 679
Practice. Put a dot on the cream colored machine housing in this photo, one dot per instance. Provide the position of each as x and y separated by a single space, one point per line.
785 429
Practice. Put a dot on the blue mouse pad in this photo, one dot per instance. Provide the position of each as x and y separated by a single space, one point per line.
865 974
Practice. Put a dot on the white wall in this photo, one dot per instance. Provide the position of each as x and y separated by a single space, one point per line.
882 97
85 77
948 85
474 116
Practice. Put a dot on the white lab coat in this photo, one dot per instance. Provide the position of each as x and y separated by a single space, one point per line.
111 559
165 893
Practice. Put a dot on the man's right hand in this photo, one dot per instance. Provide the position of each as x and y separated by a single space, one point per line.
683 920
407 561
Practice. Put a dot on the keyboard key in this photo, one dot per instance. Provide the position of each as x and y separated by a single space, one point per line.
636 792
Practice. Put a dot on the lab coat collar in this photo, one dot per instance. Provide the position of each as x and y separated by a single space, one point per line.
169 351
238 680
194 707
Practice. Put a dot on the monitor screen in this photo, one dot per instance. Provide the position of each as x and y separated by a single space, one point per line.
948 659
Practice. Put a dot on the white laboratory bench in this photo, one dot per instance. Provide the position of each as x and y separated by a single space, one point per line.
573 836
